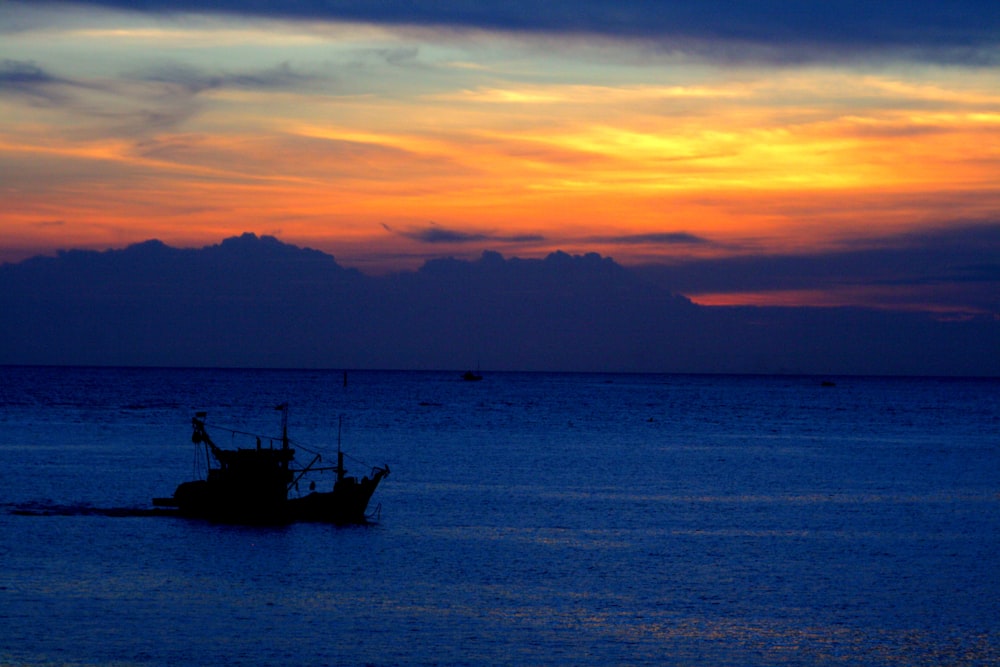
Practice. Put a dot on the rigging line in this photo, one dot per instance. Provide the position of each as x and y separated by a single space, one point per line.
357 460
299 445
293 443
272 438
236 432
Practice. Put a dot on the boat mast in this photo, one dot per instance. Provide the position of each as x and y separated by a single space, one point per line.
340 453
284 433
200 435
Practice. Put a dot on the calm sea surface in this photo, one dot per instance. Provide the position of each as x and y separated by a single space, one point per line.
529 519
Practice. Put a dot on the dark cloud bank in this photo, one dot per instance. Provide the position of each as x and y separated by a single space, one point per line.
960 30
258 302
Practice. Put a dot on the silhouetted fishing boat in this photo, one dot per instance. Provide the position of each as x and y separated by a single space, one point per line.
469 376
252 485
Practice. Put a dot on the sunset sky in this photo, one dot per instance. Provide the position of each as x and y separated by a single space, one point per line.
390 133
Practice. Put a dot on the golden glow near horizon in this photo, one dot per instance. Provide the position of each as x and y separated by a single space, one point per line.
353 139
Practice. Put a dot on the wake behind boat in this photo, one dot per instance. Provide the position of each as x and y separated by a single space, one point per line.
252 485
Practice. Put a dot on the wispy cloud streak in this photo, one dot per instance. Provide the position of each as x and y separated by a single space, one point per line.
954 268
434 234
29 80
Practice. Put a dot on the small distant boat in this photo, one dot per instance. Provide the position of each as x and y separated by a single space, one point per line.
252 485
469 376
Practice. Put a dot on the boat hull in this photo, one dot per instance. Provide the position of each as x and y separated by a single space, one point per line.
204 499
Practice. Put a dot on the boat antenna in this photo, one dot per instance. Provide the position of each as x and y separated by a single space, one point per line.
284 431
340 453
200 435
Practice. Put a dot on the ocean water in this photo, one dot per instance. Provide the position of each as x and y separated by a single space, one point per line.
530 519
